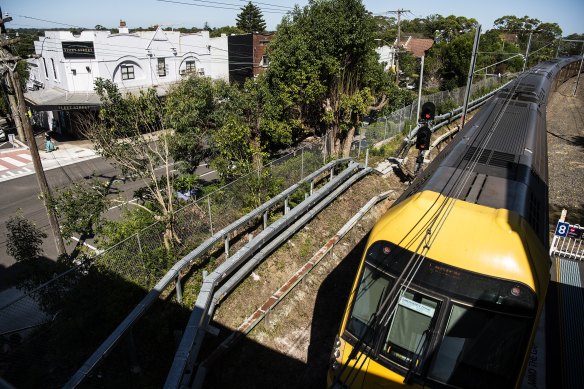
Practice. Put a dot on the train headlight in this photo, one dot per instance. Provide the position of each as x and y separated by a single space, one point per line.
336 354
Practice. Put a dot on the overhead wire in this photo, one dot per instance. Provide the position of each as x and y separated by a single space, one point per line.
389 305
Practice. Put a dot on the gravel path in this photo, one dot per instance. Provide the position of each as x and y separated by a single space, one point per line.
565 127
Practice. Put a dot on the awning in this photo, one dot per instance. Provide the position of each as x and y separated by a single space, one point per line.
55 99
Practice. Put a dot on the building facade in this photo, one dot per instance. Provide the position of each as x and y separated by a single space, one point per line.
247 56
63 74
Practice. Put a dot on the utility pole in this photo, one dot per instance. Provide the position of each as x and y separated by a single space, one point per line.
398 13
8 65
527 51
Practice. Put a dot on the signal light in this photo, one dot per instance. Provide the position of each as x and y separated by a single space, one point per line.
428 111
423 138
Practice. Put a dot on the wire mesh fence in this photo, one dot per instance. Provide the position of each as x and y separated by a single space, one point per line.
98 292
404 119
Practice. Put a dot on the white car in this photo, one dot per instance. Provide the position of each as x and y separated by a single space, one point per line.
3 136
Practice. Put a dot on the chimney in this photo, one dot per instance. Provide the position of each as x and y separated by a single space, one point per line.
123 28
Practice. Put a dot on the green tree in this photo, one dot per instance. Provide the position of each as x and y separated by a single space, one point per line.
324 69
80 207
250 19
543 35
24 238
131 133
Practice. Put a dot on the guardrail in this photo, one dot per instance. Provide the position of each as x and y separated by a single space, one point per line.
255 318
187 353
174 274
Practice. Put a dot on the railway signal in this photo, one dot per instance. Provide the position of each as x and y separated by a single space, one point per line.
423 138
428 112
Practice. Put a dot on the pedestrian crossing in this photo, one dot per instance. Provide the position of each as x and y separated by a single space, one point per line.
15 163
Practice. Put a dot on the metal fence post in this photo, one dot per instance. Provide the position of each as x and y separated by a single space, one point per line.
302 164
265 220
210 217
226 243
139 245
311 187
366 157
286 208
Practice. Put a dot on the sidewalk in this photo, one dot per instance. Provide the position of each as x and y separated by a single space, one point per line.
17 162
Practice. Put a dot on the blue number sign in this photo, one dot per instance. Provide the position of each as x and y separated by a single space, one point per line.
562 229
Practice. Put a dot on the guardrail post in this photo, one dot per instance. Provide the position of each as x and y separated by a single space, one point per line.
286 208
226 242
135 368
178 286
205 274
366 157
311 187
265 220
332 174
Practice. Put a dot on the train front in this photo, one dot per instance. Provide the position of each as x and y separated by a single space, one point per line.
437 304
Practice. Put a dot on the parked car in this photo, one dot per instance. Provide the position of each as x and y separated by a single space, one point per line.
3 135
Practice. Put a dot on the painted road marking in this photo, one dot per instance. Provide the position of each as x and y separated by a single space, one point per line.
13 161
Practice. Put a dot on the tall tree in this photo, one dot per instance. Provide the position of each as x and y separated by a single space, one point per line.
324 69
130 132
250 19
24 239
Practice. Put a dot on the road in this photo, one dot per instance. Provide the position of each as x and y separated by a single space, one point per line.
23 193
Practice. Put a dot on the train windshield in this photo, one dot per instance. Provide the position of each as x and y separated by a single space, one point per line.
480 348
408 326
372 288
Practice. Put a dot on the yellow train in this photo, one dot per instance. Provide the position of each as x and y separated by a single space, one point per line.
454 275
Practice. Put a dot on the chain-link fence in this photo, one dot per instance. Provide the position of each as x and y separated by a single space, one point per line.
50 329
404 119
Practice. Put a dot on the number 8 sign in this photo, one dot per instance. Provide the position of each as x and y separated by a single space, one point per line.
562 229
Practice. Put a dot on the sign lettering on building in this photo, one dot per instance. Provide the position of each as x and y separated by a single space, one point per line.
78 50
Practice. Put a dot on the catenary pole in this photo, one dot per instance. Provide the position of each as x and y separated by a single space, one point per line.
471 73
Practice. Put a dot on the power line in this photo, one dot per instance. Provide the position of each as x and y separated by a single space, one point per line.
234 6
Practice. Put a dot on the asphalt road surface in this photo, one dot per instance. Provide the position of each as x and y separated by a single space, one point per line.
23 193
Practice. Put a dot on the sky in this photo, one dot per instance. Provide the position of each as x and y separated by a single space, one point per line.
217 13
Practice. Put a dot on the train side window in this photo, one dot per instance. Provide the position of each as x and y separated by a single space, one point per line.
480 348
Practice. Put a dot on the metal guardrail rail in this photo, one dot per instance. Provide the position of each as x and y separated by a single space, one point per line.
198 325
255 318
173 275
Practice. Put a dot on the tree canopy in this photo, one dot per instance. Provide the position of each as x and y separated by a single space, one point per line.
250 19
324 69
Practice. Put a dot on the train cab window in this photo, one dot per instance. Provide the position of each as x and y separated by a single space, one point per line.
372 287
480 349
409 327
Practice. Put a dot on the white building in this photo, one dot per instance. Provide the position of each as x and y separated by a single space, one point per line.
63 74
386 56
